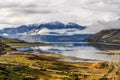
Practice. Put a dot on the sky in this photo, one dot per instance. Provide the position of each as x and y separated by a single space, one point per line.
95 14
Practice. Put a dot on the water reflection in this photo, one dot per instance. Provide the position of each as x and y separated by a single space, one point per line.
106 46
79 50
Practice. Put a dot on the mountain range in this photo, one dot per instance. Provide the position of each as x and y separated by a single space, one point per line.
51 25
47 32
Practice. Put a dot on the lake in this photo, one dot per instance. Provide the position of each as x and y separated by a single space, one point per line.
78 50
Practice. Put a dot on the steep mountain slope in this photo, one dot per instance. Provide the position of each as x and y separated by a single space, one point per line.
106 36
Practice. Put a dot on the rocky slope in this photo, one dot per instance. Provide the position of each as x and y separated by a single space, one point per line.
106 36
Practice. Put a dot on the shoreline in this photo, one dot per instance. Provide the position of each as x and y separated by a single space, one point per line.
65 59
110 52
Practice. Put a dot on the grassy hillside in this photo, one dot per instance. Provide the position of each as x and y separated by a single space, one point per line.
8 40
19 43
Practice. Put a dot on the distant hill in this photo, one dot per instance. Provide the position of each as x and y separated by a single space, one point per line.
106 36
9 40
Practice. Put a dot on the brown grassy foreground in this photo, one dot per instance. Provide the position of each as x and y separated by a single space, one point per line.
111 52
47 67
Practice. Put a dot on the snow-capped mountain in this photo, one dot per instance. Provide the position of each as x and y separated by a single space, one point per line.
47 32
51 25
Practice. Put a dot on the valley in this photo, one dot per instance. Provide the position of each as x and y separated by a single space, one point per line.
47 53
31 65
59 40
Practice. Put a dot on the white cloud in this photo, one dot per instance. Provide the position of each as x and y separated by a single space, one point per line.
84 12
57 32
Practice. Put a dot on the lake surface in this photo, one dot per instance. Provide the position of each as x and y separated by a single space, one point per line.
78 50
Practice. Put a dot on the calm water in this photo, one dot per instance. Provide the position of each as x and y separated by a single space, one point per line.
78 50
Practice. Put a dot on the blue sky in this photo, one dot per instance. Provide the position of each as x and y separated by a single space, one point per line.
84 12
